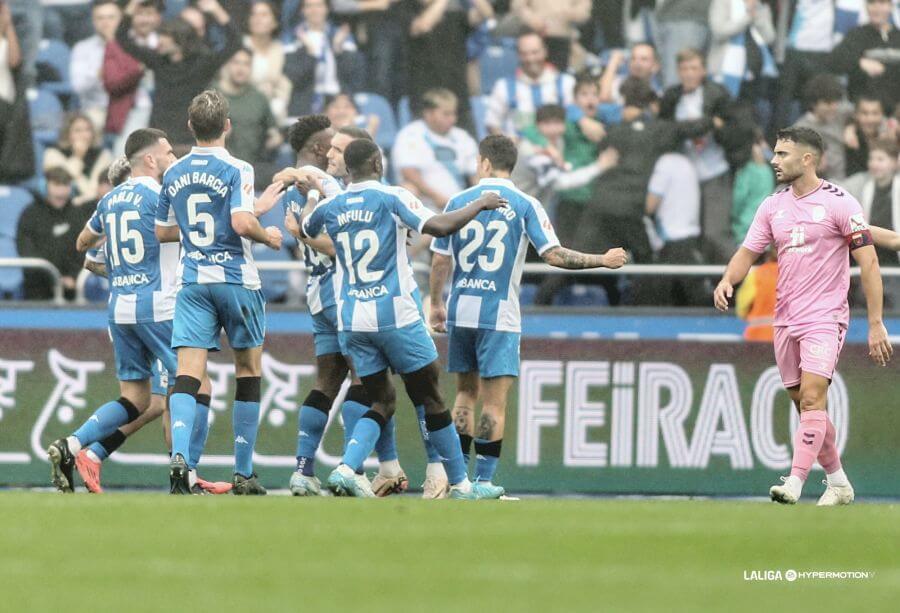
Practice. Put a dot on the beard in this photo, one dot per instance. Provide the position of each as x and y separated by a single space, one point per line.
789 177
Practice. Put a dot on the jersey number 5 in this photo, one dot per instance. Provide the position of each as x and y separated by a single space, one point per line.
205 237
477 230
364 239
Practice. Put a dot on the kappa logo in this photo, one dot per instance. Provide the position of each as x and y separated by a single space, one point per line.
240 440
179 424
94 418
302 433
353 441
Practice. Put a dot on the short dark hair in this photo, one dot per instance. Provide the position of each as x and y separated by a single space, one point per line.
500 150
139 140
358 154
583 79
822 88
637 93
887 145
869 97
97 3
690 53
550 112
356 133
304 128
58 175
159 5
802 136
433 98
208 113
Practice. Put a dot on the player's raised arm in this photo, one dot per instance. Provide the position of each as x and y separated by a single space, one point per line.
448 223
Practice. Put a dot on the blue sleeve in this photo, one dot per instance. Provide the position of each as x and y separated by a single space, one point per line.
95 223
165 214
538 227
242 199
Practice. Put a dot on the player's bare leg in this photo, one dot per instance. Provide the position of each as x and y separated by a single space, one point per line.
489 432
467 392
809 438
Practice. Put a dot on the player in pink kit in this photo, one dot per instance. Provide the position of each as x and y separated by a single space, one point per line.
813 225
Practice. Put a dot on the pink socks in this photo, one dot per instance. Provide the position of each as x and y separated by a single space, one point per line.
828 456
809 440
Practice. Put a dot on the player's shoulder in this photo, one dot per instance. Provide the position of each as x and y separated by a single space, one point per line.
840 197
147 185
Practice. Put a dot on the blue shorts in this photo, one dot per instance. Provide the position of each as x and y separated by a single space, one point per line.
159 382
491 352
325 332
138 346
404 350
203 310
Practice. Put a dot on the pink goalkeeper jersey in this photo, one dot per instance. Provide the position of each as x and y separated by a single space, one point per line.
813 235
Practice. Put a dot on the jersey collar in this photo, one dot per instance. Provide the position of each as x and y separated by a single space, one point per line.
808 194
496 181
358 187
146 182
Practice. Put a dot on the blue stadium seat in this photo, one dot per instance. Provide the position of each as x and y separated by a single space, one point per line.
497 62
404 112
479 109
96 289
581 296
373 104
46 111
56 54
13 200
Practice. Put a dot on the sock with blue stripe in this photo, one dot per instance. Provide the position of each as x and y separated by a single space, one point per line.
245 419
105 448
362 441
200 431
311 422
430 450
104 422
445 439
487 456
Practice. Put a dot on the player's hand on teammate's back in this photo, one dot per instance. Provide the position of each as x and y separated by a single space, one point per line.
492 200
268 199
308 183
275 237
880 349
437 317
615 258
724 291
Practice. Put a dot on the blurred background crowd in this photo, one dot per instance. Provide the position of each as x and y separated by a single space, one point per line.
645 124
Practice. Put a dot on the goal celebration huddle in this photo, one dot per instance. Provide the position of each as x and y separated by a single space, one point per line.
175 238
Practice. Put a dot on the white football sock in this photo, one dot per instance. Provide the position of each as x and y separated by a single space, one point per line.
795 484
436 470
93 456
464 486
389 468
74 444
192 477
838 478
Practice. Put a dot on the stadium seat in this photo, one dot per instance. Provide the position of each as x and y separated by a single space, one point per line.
46 112
373 104
479 108
581 296
404 112
497 62
13 200
54 55
96 288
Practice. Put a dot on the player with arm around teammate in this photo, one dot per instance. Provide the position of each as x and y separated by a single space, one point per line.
813 224
379 309
486 257
207 200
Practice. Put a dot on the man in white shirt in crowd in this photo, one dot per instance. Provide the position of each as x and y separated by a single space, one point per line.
87 61
514 101
673 215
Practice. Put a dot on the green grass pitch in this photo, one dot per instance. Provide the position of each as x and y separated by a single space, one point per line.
148 552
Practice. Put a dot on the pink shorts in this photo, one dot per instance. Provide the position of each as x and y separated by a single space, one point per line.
812 348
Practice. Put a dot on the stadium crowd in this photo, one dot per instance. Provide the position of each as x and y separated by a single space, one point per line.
645 123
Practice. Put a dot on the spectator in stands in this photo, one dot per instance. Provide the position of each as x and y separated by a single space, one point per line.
341 110
878 191
680 24
10 59
196 19
809 44
434 158
86 63
66 20
869 124
121 76
182 66
268 58
755 299
870 56
48 229
254 132
698 97
437 48
323 62
740 57
556 21
28 20
514 101
385 25
828 115
753 182
673 205
643 63
79 153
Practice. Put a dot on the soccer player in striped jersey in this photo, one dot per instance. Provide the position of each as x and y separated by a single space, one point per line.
484 322
207 202
142 275
379 309
311 138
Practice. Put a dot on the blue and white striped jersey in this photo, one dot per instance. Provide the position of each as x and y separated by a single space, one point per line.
142 272
320 283
373 280
488 254
200 192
